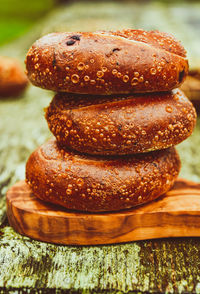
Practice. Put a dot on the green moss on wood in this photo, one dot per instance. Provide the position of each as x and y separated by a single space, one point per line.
169 265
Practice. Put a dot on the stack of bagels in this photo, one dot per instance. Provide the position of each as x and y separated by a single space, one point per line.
116 117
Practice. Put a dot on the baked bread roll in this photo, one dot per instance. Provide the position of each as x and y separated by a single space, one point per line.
13 80
100 183
113 125
106 63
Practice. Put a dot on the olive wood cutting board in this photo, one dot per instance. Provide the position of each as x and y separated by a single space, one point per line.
175 214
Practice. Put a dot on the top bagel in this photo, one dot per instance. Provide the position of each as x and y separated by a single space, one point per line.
105 63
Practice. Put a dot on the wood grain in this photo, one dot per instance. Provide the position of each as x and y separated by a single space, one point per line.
175 214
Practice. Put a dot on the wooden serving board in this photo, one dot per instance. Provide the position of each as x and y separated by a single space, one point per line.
176 214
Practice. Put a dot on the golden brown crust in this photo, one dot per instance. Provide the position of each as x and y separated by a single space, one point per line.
12 78
155 38
107 63
100 183
108 125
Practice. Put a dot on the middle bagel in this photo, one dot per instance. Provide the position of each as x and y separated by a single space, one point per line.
113 125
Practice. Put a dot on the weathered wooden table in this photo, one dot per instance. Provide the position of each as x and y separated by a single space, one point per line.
166 265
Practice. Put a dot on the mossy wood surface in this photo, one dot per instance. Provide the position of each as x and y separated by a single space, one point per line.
166 265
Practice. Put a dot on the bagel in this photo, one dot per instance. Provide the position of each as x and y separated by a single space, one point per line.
95 183
13 80
114 125
106 63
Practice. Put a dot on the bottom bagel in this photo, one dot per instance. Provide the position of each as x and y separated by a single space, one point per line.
94 183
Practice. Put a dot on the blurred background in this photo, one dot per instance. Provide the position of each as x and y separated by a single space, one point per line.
17 17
